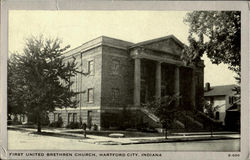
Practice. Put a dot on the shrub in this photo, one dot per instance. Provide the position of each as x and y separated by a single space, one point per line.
54 124
95 127
74 125
15 123
60 121
15 119
57 123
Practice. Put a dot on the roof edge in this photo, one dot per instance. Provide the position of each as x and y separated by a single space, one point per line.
158 39
85 45
101 40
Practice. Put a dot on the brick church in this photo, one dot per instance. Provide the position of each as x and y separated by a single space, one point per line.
123 75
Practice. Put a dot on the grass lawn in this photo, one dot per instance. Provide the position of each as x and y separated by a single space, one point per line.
126 133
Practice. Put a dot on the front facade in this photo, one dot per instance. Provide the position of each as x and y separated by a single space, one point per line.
122 76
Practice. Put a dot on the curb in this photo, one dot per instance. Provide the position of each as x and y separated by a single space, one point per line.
180 140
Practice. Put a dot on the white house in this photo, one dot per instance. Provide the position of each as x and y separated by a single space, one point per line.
223 97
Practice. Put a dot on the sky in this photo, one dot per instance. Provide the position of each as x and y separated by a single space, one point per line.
77 27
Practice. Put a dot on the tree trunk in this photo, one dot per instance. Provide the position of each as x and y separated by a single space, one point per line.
38 123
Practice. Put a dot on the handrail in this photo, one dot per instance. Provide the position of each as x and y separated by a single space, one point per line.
203 114
156 119
151 115
193 120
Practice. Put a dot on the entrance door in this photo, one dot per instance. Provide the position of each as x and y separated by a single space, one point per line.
89 120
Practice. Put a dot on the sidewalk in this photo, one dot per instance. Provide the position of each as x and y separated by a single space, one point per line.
176 137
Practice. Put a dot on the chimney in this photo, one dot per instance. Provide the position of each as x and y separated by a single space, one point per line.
207 86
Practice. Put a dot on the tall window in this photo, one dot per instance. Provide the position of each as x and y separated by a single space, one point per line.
69 117
115 94
115 67
74 117
90 95
91 67
59 116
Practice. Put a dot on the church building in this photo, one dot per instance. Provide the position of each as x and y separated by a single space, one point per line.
123 75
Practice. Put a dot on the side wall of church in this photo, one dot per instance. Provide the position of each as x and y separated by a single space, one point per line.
117 83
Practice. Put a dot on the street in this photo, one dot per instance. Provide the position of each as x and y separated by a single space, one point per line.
18 140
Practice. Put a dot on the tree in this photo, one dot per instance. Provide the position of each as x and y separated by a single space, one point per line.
219 36
15 103
165 109
39 79
210 111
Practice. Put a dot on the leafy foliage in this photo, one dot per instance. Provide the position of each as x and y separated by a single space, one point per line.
210 112
15 88
193 52
39 79
219 36
165 109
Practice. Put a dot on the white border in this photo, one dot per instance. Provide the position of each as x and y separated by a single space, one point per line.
132 5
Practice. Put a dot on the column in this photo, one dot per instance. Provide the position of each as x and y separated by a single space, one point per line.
137 82
158 80
177 85
193 89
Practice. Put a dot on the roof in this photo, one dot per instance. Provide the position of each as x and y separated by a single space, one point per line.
220 90
158 39
104 40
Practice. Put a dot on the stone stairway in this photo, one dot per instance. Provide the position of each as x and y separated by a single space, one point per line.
190 122
150 115
197 120
186 121
154 121
207 121
149 118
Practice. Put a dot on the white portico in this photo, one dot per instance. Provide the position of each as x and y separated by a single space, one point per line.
163 55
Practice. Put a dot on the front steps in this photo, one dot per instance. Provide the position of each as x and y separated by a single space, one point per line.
186 121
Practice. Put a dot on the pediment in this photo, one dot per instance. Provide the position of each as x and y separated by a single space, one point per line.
168 44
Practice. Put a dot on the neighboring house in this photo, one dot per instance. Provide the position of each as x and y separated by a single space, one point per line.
222 96
123 75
